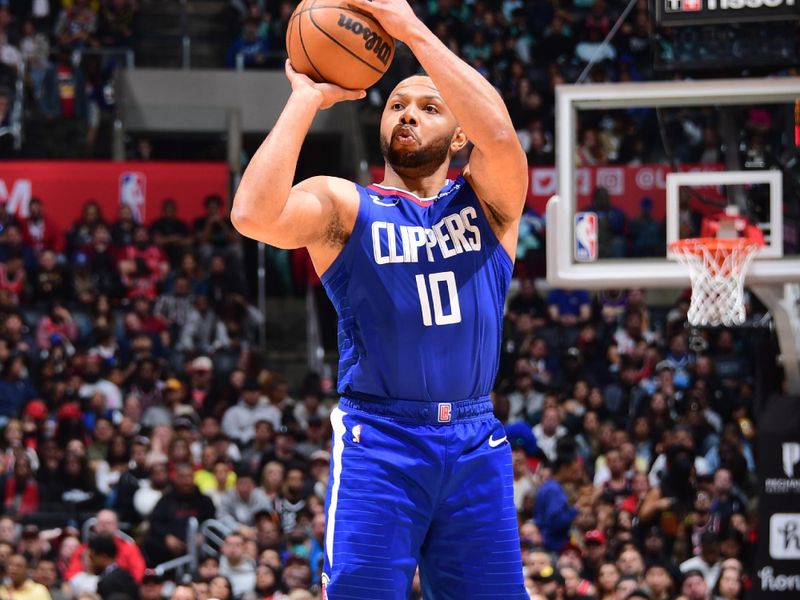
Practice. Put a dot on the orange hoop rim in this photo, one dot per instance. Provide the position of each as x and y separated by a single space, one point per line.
696 245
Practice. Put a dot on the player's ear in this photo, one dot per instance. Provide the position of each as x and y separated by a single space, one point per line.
458 141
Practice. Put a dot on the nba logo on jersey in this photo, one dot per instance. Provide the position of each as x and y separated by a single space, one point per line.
357 434
445 410
585 236
132 187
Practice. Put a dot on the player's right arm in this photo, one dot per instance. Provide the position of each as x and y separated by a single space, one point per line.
266 207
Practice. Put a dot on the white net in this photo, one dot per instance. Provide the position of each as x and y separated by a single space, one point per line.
716 269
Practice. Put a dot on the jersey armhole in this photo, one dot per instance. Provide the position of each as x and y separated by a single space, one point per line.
358 227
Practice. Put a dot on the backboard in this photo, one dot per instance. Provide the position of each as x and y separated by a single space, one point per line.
676 199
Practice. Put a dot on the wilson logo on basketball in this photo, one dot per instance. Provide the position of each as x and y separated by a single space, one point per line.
372 41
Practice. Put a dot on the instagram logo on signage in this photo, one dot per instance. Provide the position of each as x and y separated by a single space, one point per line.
132 191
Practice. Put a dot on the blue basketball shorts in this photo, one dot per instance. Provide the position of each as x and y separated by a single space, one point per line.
419 483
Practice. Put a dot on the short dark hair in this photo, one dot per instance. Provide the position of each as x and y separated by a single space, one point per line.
103 544
692 573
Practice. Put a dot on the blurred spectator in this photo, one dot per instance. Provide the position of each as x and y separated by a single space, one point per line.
569 307
76 24
553 513
39 232
213 232
648 234
117 22
113 579
236 567
251 45
694 587
169 232
35 49
239 506
19 584
20 489
708 562
166 538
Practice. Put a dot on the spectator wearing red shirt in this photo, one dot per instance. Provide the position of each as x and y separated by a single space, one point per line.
13 277
142 265
39 232
58 322
20 490
129 556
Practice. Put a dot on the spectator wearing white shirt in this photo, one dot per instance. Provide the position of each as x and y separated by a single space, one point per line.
708 562
549 431
238 568
239 421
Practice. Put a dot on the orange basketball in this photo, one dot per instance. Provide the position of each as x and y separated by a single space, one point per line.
333 43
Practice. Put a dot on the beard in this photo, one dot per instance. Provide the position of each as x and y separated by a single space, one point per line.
425 159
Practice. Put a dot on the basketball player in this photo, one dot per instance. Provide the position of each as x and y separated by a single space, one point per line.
417 268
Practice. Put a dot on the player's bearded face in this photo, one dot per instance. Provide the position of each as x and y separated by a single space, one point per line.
430 155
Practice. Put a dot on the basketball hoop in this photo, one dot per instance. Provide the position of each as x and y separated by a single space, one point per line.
717 267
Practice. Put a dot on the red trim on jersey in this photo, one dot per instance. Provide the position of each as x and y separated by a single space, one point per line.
401 194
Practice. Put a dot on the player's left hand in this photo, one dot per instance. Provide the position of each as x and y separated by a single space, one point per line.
395 16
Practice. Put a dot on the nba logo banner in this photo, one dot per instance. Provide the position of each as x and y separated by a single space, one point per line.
585 237
132 191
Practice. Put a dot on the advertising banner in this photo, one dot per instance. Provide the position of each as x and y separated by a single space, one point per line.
65 186
701 12
777 571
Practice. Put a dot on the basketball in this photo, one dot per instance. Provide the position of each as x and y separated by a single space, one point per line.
333 43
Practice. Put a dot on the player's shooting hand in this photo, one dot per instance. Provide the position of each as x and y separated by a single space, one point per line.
395 16
328 93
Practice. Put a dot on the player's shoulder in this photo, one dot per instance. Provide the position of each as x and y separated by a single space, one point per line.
329 186
341 193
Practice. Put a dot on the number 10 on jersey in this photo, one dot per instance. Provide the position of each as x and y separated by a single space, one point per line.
430 296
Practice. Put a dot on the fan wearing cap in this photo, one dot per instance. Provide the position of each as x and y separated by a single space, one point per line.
201 385
548 583
594 555
33 421
239 420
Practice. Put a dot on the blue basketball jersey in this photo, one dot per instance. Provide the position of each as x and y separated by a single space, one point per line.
419 288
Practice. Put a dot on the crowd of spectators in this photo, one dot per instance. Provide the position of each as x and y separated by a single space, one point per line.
132 393
524 48
61 50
